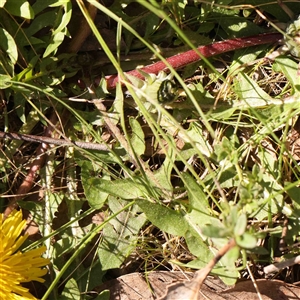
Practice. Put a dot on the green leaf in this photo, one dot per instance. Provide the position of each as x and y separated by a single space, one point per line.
5 81
249 92
196 135
41 21
20 8
58 35
294 193
246 241
8 45
163 174
242 58
237 26
214 231
164 218
54 43
19 103
95 196
198 248
225 268
199 206
120 235
59 3
71 291
104 295
240 225
137 137
66 17
123 188
289 68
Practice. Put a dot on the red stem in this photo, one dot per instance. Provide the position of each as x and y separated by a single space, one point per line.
188 57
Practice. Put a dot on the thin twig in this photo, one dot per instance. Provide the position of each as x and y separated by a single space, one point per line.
254 283
281 265
49 140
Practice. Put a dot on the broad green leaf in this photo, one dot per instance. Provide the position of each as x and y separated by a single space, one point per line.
59 33
213 231
54 43
229 277
137 137
198 248
19 102
222 113
275 10
59 3
66 17
237 26
123 188
27 73
5 81
198 203
271 190
196 135
230 258
225 268
243 58
164 218
41 21
226 175
163 174
266 156
90 278
240 225
8 45
246 241
294 193
151 24
104 295
250 93
39 6
20 8
95 196
289 68
202 95
120 235
71 291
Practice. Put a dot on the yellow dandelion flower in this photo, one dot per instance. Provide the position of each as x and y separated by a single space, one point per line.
15 266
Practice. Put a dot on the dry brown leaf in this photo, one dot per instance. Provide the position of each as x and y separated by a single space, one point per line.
269 290
136 286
